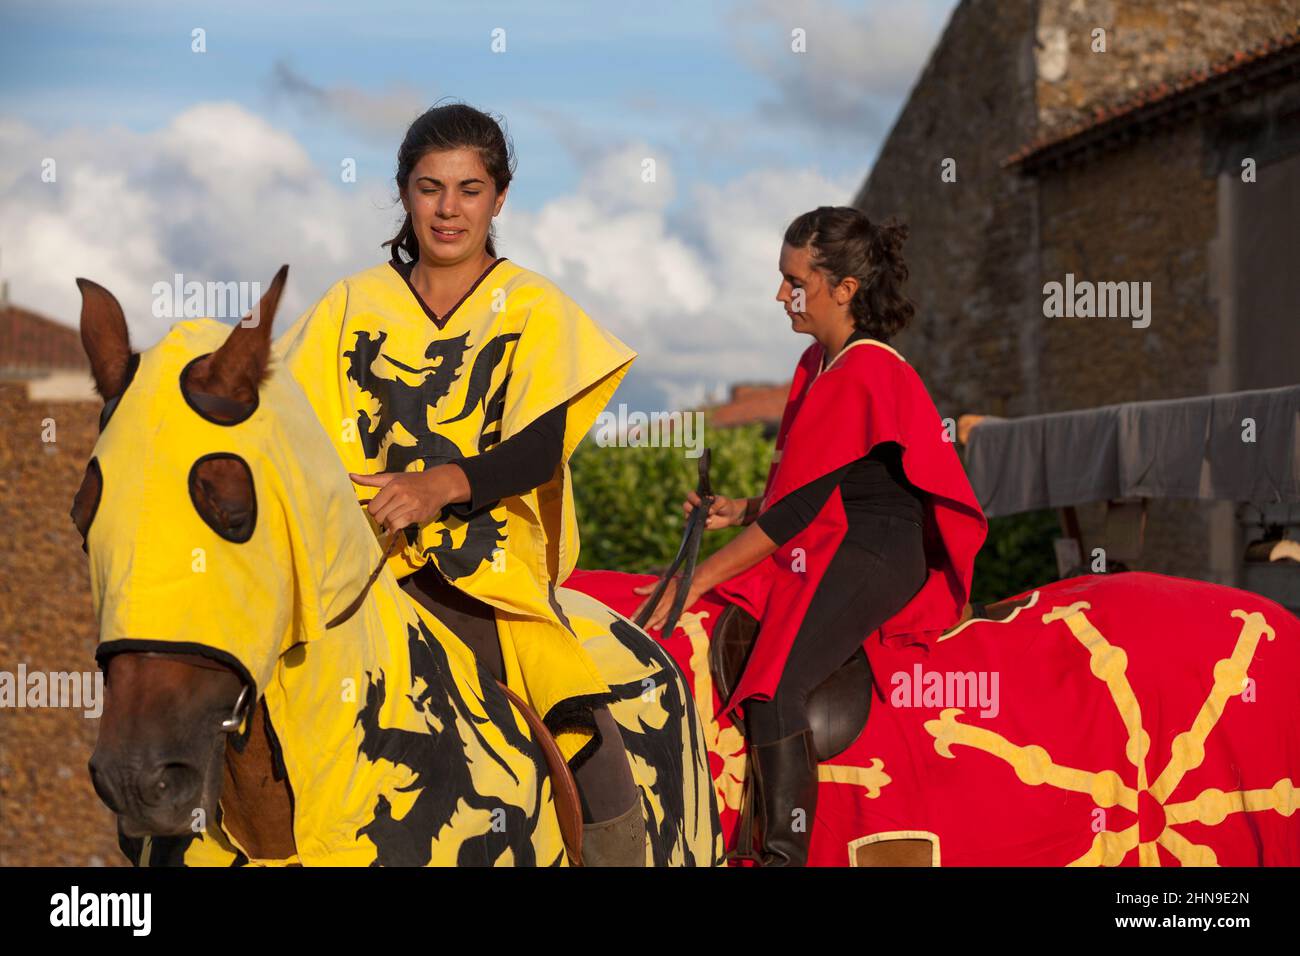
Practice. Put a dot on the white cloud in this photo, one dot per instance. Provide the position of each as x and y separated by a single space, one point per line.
216 195
860 59
692 288
220 194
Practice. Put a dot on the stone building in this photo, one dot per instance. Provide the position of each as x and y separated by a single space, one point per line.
1142 141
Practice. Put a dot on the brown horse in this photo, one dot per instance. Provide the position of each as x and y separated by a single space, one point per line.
153 773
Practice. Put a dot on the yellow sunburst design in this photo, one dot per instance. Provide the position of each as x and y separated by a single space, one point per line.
1034 765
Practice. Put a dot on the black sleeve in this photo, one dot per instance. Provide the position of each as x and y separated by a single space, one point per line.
515 466
792 514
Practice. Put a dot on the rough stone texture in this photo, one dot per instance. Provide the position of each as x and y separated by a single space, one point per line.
1147 42
49 813
1142 214
971 250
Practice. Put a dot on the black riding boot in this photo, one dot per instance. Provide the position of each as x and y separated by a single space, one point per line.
785 798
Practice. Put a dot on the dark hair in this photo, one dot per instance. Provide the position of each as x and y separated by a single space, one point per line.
453 126
843 242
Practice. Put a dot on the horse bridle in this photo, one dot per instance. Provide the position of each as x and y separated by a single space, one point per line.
687 555
231 724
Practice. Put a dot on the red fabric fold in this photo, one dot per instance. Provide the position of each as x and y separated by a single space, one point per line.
868 395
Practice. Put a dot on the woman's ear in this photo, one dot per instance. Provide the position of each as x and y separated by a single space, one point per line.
501 201
848 288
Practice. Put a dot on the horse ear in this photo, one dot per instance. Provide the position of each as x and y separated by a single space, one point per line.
105 338
236 369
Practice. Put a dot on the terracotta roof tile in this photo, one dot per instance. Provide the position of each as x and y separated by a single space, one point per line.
750 403
31 344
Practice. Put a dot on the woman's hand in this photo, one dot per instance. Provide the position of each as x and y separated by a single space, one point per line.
660 614
414 497
724 512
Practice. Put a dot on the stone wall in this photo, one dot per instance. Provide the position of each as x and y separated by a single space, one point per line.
49 813
972 247
1147 42
1146 213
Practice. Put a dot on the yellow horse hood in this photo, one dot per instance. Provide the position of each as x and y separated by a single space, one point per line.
153 557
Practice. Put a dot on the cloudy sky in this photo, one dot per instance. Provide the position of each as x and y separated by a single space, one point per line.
223 164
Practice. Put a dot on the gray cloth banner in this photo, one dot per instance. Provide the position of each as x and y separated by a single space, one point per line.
1199 447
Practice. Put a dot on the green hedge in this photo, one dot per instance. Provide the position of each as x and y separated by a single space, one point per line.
629 503
1017 555
630 499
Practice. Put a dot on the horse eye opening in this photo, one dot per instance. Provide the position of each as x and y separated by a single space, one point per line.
214 408
221 489
85 504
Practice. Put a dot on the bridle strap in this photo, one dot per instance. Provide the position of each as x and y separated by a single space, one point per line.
231 724
351 609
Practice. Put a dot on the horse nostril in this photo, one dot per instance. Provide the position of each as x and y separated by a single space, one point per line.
103 785
173 784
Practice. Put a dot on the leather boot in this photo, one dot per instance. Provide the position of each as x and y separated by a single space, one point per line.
785 792
617 842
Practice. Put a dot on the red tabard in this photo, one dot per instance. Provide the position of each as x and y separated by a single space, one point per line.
868 395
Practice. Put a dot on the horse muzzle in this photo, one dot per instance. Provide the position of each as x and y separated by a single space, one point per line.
157 797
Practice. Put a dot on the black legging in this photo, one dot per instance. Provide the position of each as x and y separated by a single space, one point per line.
606 788
877 569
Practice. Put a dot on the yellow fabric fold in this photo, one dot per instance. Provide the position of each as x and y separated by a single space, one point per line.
395 392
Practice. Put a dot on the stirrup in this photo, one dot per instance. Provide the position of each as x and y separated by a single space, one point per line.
744 849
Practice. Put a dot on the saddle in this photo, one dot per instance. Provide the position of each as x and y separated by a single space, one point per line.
839 706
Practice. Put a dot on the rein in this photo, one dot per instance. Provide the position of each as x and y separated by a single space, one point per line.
687 555
351 609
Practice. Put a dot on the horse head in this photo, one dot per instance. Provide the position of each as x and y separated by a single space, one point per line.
210 497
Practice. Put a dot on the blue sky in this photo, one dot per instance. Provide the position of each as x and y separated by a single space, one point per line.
223 164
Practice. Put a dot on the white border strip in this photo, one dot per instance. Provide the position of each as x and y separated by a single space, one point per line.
884 835
986 620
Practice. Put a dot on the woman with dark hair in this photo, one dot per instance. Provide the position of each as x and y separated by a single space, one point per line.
867 523
458 384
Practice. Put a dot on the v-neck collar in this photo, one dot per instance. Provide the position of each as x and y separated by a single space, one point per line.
853 341
856 336
404 270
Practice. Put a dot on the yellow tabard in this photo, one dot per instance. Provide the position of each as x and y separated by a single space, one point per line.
395 392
